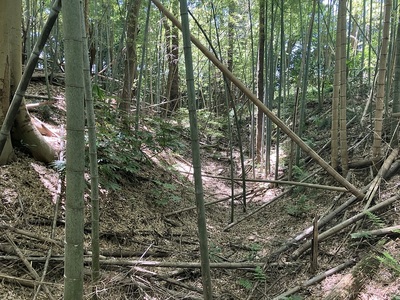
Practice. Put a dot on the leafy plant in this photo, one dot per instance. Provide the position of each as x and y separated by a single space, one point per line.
299 208
378 222
214 252
389 261
254 248
245 283
259 274
166 135
119 157
209 124
299 173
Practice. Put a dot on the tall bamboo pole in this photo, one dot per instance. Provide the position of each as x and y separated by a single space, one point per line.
380 90
194 134
75 151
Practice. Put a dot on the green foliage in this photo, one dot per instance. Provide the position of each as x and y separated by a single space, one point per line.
98 92
298 173
378 222
245 283
253 252
214 252
119 157
321 121
259 274
299 208
389 261
165 192
209 124
165 135
121 152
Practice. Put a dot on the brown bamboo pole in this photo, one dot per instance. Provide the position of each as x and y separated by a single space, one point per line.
263 108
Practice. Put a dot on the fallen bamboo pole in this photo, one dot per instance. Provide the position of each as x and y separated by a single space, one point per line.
323 236
145 263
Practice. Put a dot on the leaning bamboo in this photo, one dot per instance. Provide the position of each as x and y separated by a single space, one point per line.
307 149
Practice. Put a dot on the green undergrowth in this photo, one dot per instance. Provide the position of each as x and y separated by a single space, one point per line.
122 152
211 126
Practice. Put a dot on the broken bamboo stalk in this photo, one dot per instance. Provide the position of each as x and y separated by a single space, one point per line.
323 236
322 222
369 195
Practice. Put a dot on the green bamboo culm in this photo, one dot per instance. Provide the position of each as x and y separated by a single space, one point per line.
75 150
94 170
201 219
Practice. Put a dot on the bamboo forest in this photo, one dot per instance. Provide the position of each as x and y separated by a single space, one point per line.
233 150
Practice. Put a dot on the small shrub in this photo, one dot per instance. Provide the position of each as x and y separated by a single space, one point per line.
299 208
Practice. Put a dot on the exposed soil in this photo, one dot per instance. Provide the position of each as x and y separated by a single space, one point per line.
135 226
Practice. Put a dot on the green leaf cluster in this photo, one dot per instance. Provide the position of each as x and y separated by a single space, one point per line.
165 192
388 260
299 208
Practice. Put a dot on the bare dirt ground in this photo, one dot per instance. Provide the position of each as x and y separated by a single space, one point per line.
138 226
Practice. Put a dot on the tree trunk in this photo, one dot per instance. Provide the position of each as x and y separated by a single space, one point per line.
131 56
172 48
335 99
260 78
10 76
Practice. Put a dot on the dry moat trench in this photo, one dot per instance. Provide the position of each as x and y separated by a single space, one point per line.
135 226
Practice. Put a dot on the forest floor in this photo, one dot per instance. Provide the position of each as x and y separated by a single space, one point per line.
141 224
